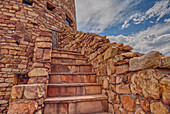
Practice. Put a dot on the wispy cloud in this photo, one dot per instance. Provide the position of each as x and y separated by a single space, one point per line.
97 15
154 38
159 10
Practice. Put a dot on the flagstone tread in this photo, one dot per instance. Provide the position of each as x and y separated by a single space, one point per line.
64 50
76 73
75 84
73 64
75 98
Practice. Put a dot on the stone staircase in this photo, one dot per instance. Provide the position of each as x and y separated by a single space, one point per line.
72 87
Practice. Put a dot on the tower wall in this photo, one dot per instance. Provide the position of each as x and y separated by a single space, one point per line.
21 23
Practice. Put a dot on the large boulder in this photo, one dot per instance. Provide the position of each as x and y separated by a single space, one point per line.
146 83
150 60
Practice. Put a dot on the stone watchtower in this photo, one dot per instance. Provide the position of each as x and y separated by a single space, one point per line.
28 28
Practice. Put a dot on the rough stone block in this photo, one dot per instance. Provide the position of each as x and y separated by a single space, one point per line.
89 107
17 92
123 69
165 88
34 91
110 52
158 108
123 89
38 72
150 60
146 83
165 62
23 107
128 103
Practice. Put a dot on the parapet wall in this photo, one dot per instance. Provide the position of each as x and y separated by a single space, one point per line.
26 40
134 83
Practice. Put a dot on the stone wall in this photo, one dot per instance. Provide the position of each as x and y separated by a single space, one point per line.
134 82
25 41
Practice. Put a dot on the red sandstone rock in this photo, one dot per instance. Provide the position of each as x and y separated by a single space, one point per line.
23 107
128 103
17 92
145 105
127 48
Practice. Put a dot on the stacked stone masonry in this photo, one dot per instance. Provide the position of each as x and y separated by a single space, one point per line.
134 82
87 75
26 42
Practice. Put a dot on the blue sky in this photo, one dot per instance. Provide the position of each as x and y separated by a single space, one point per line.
143 24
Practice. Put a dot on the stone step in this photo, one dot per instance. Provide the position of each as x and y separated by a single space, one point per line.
64 50
76 105
102 113
67 54
68 60
57 78
71 67
73 89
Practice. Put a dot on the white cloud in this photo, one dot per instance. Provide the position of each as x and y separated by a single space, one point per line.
97 15
159 10
154 38
167 20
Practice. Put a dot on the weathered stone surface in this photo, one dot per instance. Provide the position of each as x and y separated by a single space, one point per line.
44 45
103 69
110 52
110 67
145 105
150 60
123 89
89 107
165 62
122 69
127 48
34 91
118 58
105 83
23 107
128 103
118 109
158 108
129 54
165 88
111 96
139 111
17 92
146 83
38 72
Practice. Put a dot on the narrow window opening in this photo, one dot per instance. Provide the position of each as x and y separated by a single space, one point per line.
69 21
28 2
50 7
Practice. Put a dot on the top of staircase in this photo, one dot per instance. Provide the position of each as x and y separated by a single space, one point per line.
64 50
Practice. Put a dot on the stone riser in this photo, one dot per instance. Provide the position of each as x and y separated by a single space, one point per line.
67 55
57 79
62 91
71 68
65 60
77 108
